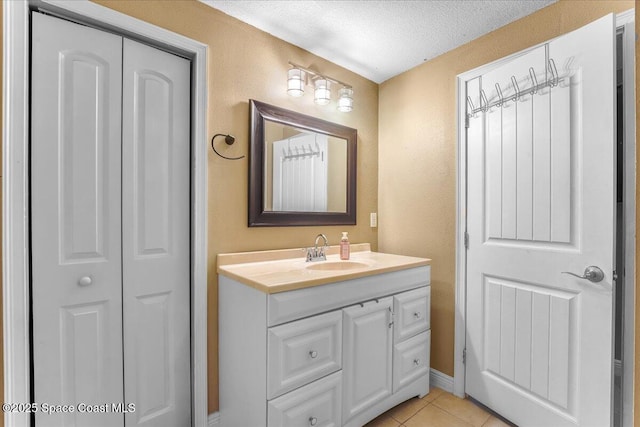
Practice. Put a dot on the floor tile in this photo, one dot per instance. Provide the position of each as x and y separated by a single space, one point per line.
462 408
383 420
434 392
406 410
432 416
495 422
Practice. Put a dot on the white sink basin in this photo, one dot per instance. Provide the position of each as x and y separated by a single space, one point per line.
336 265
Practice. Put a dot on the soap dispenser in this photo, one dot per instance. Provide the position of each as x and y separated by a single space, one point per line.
345 250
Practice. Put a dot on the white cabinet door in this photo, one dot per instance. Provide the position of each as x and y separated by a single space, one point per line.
75 200
367 346
155 235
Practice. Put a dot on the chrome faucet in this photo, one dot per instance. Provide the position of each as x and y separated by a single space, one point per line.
315 253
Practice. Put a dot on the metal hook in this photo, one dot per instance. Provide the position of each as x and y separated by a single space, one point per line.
516 88
554 73
483 99
534 81
499 104
472 108
229 139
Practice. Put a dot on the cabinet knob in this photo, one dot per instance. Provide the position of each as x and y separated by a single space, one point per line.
417 315
416 362
313 355
313 421
85 281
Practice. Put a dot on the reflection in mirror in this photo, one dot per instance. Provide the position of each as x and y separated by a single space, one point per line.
302 169
305 171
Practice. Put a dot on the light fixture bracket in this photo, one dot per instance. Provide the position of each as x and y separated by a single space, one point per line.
316 75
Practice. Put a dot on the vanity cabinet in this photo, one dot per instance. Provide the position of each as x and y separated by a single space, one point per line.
332 355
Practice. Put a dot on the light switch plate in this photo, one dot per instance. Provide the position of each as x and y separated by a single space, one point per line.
373 219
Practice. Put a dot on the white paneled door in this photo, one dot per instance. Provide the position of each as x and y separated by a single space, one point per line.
540 203
155 238
110 228
75 217
300 173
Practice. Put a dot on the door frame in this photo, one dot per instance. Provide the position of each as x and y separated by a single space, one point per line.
625 19
15 188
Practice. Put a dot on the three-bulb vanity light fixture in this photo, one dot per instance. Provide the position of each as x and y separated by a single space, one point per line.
297 80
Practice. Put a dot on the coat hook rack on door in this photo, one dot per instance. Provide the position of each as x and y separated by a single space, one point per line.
485 104
229 139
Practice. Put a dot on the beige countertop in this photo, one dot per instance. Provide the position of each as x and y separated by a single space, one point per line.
286 270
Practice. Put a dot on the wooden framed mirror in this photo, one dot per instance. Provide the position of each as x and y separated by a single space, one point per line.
302 170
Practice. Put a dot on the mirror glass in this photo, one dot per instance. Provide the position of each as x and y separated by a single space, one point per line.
302 169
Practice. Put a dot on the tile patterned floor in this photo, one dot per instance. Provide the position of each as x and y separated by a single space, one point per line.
437 409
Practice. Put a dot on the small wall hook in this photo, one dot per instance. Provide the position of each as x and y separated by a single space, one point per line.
229 139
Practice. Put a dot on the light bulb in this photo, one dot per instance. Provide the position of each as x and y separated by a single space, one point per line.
323 91
295 82
345 102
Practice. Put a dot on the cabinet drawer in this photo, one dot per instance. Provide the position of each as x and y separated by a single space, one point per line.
317 404
303 351
412 313
411 360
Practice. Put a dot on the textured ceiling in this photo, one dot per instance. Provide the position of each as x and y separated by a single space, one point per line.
378 39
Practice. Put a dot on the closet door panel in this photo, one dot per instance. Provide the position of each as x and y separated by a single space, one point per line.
156 230
75 201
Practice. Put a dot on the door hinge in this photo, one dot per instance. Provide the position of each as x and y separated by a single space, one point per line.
464 356
466 240
466 121
391 317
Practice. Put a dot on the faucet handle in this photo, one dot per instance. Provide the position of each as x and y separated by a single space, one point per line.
322 254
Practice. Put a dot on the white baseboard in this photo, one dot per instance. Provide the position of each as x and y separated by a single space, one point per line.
440 380
213 420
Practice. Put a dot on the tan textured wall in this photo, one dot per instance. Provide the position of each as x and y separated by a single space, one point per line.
417 152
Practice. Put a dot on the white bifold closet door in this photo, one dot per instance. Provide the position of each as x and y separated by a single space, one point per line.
110 228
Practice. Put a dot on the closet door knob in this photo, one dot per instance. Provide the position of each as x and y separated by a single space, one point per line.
313 421
417 315
313 354
85 281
